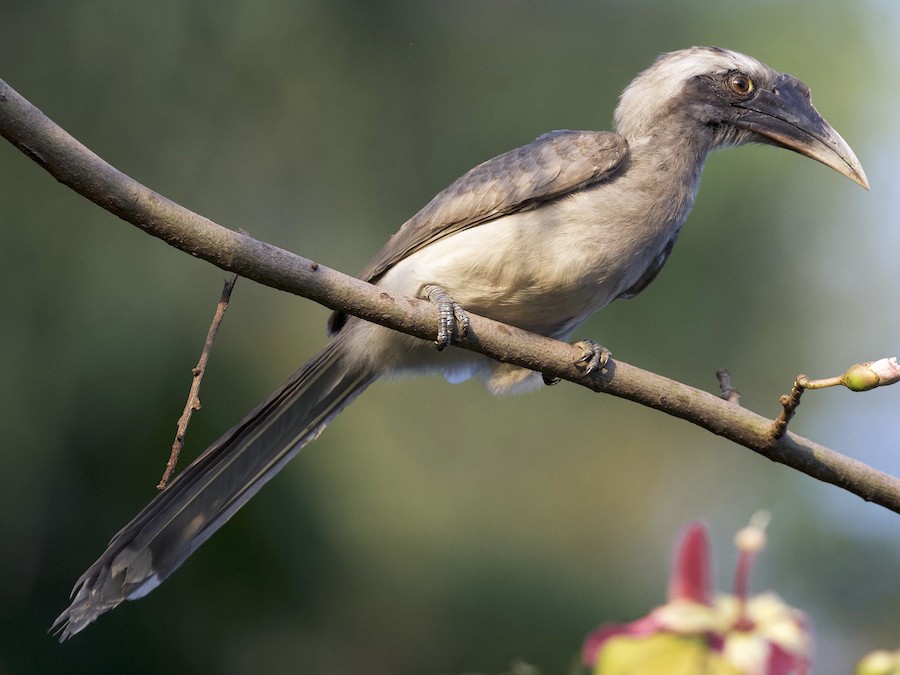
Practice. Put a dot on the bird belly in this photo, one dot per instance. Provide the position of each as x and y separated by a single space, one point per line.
544 270
526 269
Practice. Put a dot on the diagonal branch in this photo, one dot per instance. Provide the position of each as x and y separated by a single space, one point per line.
74 165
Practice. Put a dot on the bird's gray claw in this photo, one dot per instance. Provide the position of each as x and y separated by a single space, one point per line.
594 356
549 380
452 318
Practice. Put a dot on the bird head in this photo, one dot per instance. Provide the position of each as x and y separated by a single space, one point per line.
714 97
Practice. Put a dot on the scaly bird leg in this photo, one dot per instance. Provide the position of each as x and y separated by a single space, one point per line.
452 318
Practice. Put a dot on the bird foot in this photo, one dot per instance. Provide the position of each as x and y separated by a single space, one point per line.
452 318
594 357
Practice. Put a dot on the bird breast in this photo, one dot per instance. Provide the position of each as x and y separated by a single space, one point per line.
548 269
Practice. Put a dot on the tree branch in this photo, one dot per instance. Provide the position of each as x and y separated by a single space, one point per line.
74 165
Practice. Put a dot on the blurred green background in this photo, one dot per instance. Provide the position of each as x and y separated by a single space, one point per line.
391 546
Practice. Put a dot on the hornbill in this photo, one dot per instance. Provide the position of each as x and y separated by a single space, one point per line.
540 237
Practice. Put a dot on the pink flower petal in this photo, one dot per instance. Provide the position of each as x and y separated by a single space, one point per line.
691 579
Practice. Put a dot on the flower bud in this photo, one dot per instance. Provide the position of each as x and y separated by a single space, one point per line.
866 376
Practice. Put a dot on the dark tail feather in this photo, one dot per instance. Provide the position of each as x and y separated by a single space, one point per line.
209 491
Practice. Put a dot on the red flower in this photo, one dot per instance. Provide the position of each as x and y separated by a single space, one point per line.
695 632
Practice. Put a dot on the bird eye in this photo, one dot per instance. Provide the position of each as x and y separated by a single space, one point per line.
740 84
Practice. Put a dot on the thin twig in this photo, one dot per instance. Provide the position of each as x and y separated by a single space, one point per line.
729 393
789 403
193 399
858 377
74 165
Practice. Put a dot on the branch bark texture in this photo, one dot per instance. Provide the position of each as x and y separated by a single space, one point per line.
74 165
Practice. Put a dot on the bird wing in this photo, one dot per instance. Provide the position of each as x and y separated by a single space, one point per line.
551 166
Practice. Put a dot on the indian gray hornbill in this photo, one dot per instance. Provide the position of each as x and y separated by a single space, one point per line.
540 237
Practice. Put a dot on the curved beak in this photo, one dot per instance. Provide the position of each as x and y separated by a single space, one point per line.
785 116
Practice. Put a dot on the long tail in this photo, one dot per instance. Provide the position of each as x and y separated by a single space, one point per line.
209 491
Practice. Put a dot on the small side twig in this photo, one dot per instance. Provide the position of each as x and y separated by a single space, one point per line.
729 393
193 400
789 403
858 377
